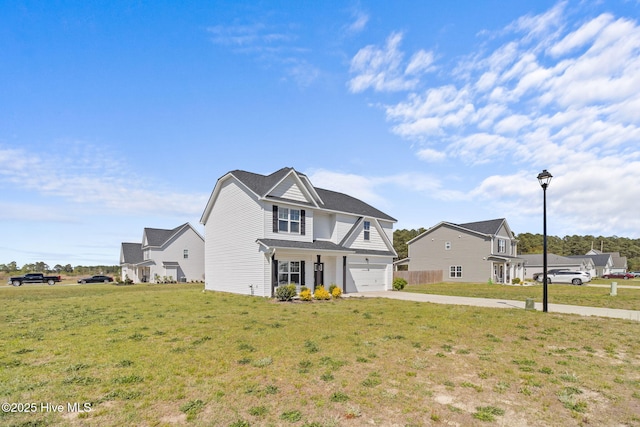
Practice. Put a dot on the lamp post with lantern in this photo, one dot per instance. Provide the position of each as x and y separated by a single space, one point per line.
544 178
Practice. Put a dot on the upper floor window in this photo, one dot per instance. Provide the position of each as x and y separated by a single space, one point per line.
367 230
289 220
447 246
502 246
185 254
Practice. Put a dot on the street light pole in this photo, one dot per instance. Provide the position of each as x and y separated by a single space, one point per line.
544 178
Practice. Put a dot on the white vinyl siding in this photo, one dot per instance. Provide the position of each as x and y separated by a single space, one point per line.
190 268
289 189
324 226
233 262
375 241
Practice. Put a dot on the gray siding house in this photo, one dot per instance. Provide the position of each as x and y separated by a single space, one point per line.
534 264
263 231
164 255
471 252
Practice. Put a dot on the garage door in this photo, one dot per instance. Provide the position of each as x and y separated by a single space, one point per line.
367 277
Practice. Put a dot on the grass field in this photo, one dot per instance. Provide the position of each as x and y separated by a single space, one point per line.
162 355
589 296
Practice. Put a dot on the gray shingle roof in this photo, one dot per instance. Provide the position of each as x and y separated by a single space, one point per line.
485 227
158 236
131 253
333 200
319 245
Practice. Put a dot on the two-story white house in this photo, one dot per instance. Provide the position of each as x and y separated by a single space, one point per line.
473 252
164 255
262 231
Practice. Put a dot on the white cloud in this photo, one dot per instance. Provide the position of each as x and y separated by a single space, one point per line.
100 186
549 96
430 155
360 22
382 69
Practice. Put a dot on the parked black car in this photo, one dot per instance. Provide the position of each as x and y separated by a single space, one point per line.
34 278
96 279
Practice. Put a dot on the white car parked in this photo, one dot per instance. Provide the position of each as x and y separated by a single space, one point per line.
566 276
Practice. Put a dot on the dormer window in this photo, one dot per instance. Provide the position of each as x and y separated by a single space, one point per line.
367 230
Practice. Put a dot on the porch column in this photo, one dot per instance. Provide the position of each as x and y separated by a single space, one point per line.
344 274
274 274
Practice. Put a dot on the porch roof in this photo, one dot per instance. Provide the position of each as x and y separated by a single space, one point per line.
504 258
316 245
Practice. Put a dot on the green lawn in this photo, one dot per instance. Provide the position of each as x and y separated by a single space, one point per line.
628 299
161 355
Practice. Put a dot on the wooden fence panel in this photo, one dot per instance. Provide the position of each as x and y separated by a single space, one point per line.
420 277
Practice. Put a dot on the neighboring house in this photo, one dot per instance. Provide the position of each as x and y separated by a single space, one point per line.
472 252
262 231
534 263
606 263
164 255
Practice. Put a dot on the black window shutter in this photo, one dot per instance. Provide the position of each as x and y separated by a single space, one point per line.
275 218
302 222
302 273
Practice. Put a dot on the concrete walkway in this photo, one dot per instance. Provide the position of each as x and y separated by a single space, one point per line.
501 303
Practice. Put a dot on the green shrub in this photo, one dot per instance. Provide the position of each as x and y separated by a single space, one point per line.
399 283
321 293
515 281
332 287
286 292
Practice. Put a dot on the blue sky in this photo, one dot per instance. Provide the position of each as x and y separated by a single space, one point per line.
115 116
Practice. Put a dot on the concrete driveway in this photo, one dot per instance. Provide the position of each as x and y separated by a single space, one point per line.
501 303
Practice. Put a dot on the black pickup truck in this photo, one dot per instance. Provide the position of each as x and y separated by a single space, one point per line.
34 278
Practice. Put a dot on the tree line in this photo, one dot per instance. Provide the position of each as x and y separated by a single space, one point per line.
43 267
529 243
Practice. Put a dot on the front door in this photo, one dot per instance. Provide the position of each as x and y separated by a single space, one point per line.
318 274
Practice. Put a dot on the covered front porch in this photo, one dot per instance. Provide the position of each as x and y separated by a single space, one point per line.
311 264
505 269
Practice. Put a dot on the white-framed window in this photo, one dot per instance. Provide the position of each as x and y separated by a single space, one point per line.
367 230
288 272
185 254
455 271
447 246
502 246
289 220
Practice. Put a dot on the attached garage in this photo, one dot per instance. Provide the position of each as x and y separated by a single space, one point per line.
363 277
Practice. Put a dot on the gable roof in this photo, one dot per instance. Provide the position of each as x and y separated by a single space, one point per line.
131 253
601 260
484 228
159 236
261 185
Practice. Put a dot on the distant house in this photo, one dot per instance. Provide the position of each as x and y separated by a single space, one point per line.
534 263
471 252
606 262
164 255
263 231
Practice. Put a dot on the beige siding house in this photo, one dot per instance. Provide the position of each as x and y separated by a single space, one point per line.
472 252
263 231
